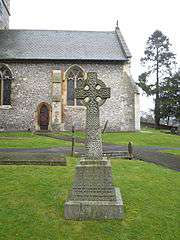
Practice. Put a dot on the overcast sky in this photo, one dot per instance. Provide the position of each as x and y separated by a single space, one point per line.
138 19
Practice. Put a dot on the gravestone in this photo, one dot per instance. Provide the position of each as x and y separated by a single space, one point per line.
93 196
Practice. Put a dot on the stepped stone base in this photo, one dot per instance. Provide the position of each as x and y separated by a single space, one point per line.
95 210
93 195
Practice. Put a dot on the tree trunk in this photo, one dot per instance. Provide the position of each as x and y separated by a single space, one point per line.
157 100
156 112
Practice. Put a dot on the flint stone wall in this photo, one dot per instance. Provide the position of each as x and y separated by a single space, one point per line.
32 85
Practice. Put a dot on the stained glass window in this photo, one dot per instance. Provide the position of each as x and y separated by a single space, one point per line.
78 84
74 76
70 92
5 85
7 92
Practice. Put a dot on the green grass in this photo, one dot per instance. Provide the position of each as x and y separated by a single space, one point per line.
79 134
16 134
29 140
32 200
147 137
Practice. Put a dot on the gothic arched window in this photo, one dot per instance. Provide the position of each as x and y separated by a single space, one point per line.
5 85
74 76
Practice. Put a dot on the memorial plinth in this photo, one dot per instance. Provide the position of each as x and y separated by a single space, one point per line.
93 195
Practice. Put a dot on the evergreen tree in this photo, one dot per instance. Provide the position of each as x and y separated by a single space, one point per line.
158 61
170 98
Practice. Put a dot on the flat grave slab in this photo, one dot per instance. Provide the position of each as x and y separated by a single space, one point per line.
16 158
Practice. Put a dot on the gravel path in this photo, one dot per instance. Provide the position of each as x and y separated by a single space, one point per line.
164 159
143 153
148 153
80 140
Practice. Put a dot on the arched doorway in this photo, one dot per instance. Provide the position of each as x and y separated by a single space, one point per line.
44 116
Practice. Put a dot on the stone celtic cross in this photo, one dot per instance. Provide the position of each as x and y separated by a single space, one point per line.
93 195
93 93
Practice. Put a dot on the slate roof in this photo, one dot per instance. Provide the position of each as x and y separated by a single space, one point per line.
62 45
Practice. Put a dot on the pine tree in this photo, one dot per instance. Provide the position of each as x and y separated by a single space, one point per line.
158 61
170 98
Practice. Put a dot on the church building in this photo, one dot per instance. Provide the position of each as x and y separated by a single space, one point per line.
39 70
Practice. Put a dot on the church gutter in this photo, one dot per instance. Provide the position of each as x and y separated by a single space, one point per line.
15 60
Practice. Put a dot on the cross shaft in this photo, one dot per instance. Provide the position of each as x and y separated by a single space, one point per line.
93 94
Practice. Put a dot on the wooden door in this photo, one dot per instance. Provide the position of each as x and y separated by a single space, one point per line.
44 117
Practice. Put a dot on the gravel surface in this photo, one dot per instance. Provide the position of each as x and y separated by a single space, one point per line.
147 154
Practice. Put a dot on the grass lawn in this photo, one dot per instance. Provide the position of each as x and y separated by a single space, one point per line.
29 140
79 134
146 137
32 199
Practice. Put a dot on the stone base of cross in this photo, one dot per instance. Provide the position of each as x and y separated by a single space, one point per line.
93 195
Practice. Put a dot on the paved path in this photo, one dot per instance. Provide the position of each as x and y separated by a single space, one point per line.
160 148
148 153
164 159
80 140
143 153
